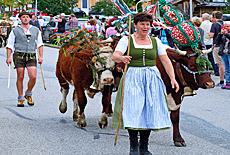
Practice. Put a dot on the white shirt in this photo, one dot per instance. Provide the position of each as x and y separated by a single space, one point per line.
206 26
11 39
123 45
41 22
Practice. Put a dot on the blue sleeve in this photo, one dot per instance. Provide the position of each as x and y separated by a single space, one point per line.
213 30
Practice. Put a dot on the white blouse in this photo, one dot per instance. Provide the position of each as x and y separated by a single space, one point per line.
123 45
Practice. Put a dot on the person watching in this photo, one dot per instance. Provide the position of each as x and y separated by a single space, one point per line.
206 26
73 22
215 29
224 51
61 22
35 22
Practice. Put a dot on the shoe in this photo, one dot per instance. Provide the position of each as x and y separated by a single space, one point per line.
134 146
219 84
29 100
217 74
144 147
20 104
227 86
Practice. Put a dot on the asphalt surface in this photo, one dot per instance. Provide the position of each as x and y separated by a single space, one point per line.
42 130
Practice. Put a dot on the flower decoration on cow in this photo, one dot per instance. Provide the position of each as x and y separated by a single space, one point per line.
183 33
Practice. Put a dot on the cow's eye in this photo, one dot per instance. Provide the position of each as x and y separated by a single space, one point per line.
191 66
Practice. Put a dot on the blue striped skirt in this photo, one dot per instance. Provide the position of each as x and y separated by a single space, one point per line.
145 104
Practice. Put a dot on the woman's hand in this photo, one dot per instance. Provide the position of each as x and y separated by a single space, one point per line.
126 59
175 85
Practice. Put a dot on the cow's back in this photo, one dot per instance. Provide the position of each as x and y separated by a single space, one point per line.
75 70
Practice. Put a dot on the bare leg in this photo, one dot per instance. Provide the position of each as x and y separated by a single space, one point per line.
221 71
32 72
20 77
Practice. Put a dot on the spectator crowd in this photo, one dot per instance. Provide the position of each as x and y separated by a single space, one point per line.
213 30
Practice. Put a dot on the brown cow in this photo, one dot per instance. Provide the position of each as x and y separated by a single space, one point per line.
184 78
77 71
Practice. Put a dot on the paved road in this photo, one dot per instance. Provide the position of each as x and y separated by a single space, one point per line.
42 129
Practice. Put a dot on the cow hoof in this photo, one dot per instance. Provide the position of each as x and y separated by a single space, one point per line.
75 117
180 144
110 114
62 108
81 125
103 121
102 126
81 121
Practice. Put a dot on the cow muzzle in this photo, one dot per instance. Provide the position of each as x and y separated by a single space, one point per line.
108 81
107 78
210 84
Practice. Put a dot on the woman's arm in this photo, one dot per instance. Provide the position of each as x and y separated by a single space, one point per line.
170 71
119 57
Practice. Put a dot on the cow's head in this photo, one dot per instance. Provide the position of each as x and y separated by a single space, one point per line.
105 70
189 69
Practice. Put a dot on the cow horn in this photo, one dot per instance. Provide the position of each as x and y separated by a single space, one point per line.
208 51
109 40
179 51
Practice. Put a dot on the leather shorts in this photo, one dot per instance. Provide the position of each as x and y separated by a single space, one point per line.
24 59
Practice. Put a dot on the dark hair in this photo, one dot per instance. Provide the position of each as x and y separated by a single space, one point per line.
96 17
90 17
143 17
115 16
218 15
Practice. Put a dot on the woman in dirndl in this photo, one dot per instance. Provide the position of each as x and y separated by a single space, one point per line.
145 105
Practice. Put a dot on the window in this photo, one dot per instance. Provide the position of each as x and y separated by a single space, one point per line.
84 4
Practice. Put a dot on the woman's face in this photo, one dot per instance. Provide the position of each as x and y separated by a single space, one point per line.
142 27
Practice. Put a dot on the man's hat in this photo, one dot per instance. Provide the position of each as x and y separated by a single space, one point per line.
24 13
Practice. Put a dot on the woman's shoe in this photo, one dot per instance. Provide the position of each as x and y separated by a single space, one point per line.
144 147
134 147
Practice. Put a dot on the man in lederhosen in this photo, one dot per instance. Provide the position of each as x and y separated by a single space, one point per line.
22 42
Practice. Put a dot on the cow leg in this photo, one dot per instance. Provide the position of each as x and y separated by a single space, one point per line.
178 140
63 104
107 107
75 107
82 101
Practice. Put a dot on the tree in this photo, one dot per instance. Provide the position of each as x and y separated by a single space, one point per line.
23 2
56 6
226 9
106 8
8 3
